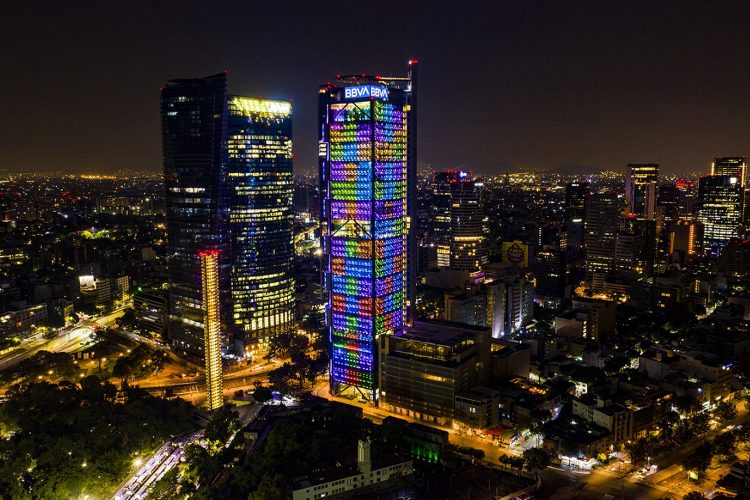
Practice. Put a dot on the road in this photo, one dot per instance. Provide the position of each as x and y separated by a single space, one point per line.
68 339
168 456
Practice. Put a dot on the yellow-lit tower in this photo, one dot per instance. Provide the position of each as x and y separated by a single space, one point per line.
211 327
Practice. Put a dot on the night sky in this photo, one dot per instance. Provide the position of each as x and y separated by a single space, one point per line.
503 85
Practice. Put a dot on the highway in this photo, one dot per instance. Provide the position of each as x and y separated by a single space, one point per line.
166 457
136 486
68 339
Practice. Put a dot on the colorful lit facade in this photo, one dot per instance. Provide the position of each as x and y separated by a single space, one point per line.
259 189
209 260
367 172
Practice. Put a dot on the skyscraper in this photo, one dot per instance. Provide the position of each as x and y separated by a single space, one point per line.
209 260
641 189
576 201
193 123
229 186
733 166
468 249
259 190
576 207
367 171
720 210
601 233
635 246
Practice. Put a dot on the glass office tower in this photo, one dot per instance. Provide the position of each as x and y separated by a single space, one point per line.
367 172
259 189
193 122
468 249
720 210
641 189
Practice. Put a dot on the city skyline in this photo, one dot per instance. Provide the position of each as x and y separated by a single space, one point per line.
541 85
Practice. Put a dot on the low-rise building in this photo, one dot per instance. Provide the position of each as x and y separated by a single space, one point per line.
367 475
426 366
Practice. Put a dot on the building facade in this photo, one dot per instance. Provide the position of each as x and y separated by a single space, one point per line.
641 188
367 173
209 260
193 123
259 189
468 249
720 200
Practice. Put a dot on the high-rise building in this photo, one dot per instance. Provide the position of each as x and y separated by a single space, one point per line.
367 155
209 260
193 123
550 278
519 310
685 240
734 166
641 189
259 188
468 249
576 201
601 234
635 246
228 175
720 210
440 207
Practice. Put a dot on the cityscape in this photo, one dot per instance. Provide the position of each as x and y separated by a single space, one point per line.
362 286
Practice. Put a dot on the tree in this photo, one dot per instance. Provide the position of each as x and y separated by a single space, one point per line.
271 487
693 495
687 404
724 443
261 394
223 424
536 459
700 424
700 459
639 450
285 345
726 411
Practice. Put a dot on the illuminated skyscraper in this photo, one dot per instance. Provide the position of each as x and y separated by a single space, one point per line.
720 210
641 189
259 190
601 233
193 123
367 172
576 201
211 327
733 166
229 186
468 249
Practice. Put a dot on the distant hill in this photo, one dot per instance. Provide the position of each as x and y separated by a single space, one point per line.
576 170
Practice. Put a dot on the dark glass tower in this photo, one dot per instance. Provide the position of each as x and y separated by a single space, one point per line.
260 188
367 173
193 122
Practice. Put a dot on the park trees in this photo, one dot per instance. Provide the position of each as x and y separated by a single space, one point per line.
536 459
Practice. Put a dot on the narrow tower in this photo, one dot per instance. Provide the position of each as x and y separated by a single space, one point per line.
367 164
211 326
